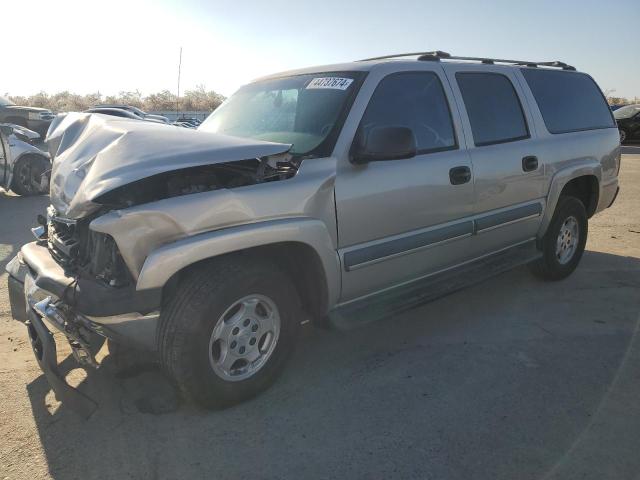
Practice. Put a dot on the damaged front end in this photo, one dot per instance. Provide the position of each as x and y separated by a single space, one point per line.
74 278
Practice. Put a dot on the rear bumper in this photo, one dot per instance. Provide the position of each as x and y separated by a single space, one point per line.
608 194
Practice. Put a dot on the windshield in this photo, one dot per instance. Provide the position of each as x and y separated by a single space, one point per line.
5 101
306 111
626 112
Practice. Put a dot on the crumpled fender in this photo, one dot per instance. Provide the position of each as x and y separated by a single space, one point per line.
168 259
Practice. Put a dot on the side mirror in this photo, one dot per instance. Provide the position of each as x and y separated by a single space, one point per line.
6 130
384 143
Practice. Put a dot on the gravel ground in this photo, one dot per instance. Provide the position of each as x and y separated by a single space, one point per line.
514 378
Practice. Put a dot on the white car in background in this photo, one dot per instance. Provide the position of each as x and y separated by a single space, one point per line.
24 168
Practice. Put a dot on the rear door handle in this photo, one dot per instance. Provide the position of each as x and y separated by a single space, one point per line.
530 163
459 175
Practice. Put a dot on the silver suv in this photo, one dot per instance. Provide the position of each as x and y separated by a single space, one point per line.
336 194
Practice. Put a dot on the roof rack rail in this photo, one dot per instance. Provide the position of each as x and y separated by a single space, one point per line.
437 55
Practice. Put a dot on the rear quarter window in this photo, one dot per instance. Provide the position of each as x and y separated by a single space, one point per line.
568 101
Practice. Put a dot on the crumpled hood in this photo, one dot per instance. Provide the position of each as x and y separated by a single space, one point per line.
93 154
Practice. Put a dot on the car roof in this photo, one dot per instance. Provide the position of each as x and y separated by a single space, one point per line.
405 58
108 110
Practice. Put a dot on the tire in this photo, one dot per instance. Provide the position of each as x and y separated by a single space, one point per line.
624 136
191 352
27 173
560 256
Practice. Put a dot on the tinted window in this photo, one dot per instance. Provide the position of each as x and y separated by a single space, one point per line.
568 101
493 108
415 100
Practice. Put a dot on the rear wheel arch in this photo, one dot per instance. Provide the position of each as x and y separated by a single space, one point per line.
586 189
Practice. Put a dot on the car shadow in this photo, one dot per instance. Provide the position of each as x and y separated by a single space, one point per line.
446 385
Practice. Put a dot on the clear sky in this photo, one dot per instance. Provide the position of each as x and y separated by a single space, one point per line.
109 46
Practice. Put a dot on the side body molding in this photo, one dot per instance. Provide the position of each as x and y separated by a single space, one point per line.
560 179
168 259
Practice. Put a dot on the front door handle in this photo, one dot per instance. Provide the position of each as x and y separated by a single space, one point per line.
459 175
530 163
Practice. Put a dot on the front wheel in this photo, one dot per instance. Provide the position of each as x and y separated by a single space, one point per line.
227 331
31 175
563 243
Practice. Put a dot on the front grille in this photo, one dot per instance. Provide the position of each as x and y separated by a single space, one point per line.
79 250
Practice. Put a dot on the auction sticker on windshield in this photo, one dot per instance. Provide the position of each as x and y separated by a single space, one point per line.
336 83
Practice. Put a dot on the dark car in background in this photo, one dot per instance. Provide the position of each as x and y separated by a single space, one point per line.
115 112
123 113
136 111
33 118
628 120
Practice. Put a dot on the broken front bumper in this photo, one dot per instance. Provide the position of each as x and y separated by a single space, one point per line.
39 293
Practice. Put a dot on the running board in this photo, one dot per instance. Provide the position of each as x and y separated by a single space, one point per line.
419 292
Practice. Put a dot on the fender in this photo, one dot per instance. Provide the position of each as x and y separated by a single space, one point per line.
560 179
168 259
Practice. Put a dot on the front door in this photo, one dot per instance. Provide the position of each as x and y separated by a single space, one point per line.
402 219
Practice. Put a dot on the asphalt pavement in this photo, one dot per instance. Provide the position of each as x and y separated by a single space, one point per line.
511 379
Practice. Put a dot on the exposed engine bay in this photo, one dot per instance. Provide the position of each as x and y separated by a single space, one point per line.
201 179
82 251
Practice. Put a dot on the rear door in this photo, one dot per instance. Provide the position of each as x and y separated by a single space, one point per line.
402 219
509 165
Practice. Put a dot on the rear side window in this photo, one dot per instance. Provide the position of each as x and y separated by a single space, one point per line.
568 101
415 100
493 108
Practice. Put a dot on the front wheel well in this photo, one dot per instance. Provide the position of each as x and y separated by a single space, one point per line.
298 260
585 189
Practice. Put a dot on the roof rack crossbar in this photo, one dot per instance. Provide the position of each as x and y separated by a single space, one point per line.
438 55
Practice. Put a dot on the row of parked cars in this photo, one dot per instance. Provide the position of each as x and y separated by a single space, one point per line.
134 113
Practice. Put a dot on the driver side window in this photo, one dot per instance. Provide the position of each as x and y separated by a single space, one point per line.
415 100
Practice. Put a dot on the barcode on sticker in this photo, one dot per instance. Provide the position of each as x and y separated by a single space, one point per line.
336 83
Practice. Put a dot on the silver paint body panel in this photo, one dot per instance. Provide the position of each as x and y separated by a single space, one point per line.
357 219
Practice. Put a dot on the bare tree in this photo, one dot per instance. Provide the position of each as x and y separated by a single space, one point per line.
198 99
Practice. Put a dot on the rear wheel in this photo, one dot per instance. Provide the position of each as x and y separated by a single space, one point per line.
623 135
30 175
563 243
227 331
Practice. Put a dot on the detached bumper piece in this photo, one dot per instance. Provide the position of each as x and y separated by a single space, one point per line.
44 348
